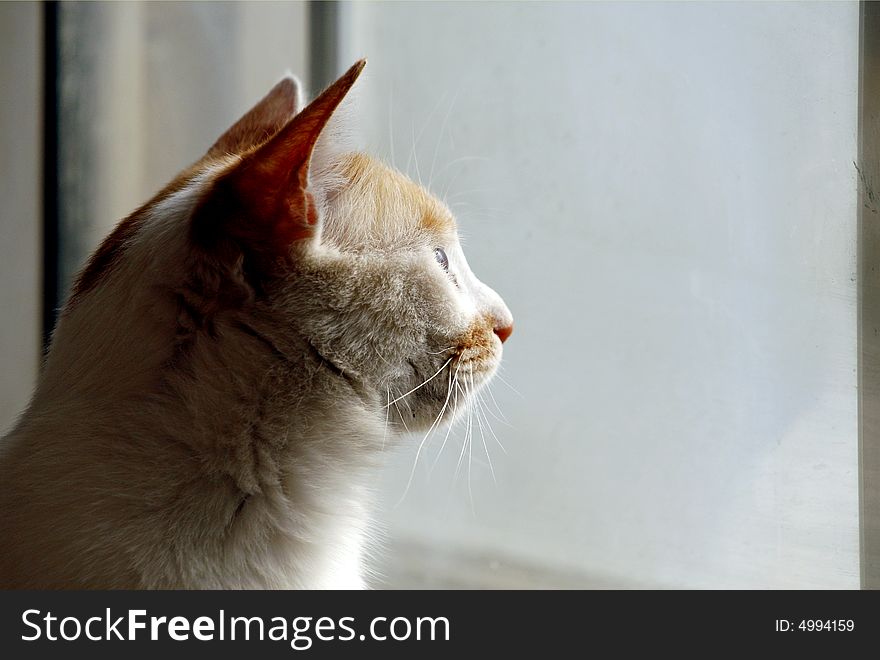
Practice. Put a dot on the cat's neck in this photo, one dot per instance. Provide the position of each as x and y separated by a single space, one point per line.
233 395
246 424
280 399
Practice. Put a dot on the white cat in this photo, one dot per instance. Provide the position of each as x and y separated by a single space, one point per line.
215 400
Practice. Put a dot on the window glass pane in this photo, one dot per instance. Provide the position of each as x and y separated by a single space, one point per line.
665 196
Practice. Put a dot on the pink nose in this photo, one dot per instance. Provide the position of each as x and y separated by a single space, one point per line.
504 333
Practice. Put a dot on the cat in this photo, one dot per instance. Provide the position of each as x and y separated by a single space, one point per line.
215 401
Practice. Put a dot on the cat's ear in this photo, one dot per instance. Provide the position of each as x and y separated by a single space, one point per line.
262 121
264 203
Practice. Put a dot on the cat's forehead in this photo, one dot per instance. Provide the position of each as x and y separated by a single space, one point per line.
376 202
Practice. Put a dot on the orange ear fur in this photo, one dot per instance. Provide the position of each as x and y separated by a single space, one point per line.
263 203
262 121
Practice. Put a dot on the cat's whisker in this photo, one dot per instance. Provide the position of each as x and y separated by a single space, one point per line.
461 198
425 125
391 122
502 418
450 183
479 404
492 432
464 442
463 159
461 193
489 408
412 150
387 411
379 355
414 157
484 408
512 388
463 205
403 396
400 414
454 178
450 386
470 191
440 352
460 209
440 138
473 211
470 446
434 424
467 447
453 386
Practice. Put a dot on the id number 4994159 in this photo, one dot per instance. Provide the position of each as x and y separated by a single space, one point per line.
815 625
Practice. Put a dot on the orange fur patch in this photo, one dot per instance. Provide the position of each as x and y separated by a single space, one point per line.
398 202
438 222
477 342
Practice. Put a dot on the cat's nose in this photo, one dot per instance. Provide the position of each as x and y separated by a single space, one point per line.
503 332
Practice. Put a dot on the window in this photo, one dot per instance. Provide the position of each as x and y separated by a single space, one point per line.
665 195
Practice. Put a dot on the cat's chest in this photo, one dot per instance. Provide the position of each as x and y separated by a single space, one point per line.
338 565
300 551
326 532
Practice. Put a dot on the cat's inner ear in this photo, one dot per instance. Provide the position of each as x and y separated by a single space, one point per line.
264 202
262 121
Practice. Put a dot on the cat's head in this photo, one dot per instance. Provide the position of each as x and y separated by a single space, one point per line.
280 233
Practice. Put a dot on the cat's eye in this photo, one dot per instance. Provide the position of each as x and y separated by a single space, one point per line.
442 259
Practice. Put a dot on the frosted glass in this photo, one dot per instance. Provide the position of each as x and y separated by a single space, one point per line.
665 196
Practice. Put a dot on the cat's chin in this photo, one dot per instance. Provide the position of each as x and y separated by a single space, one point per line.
480 364
445 397
481 371
473 374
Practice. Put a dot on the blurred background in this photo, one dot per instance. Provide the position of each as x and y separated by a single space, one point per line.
664 194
